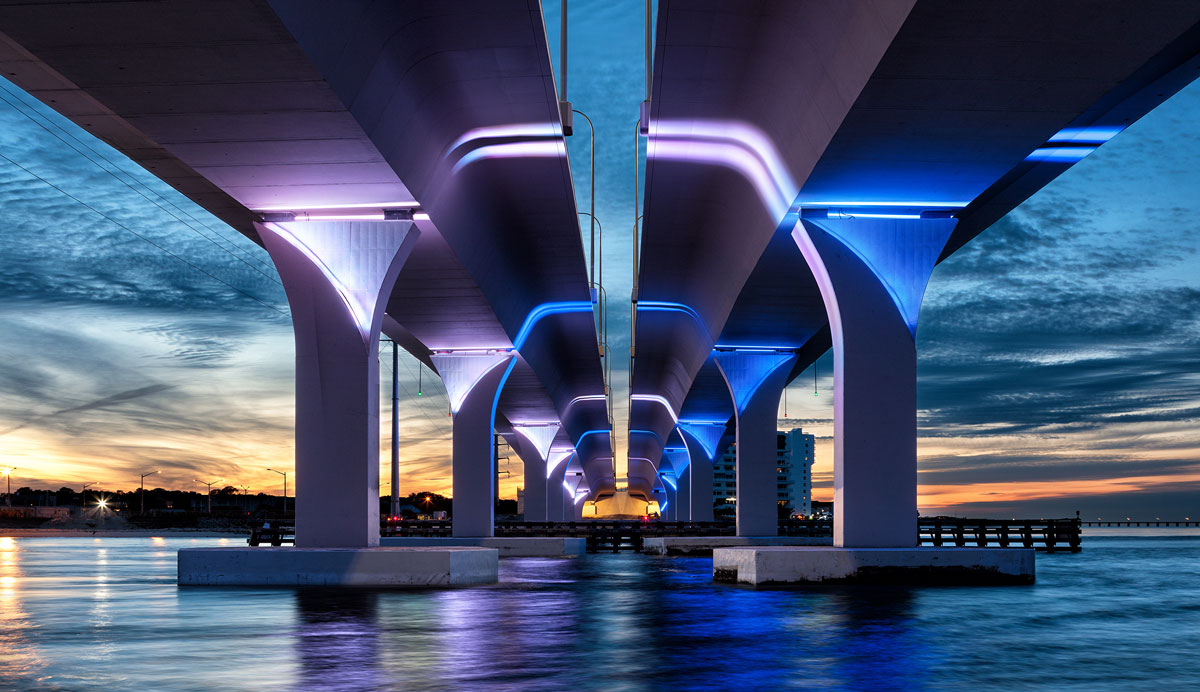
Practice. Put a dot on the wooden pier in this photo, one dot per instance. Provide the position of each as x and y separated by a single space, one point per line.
1052 535
1048 535
1103 523
273 533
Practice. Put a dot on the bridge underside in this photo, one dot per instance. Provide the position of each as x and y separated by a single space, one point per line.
808 164
816 131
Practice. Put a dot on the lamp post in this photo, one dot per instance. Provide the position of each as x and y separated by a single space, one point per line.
83 496
8 474
285 475
143 489
209 485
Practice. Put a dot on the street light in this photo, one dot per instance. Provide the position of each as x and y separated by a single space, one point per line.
83 496
285 475
7 471
209 485
143 492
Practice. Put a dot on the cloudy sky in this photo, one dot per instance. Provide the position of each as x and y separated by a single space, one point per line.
1059 351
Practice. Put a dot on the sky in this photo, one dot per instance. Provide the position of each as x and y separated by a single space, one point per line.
1059 352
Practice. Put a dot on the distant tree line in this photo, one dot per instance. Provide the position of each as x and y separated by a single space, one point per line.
227 500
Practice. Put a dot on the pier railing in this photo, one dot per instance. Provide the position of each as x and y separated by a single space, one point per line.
1049 535
1157 523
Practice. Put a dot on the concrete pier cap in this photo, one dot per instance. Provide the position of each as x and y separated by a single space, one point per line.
927 566
410 567
507 546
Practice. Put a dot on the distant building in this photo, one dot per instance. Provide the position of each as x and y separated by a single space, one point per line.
794 460
795 464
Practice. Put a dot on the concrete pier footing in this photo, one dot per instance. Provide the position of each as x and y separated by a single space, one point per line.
908 566
704 545
381 567
517 546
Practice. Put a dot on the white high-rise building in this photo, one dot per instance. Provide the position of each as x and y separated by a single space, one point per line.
794 462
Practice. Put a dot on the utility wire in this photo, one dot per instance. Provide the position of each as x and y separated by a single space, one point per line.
122 226
437 426
185 222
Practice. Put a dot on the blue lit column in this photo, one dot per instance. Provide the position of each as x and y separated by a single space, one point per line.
872 273
665 492
677 461
338 276
473 380
702 439
756 378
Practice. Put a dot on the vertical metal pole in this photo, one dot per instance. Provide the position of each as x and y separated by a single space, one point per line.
395 431
562 46
592 202
648 68
143 494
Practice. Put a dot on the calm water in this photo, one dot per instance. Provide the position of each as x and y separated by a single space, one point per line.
105 614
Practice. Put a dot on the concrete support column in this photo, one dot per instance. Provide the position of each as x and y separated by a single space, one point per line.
872 274
338 276
756 379
703 445
535 488
676 462
534 450
556 503
473 381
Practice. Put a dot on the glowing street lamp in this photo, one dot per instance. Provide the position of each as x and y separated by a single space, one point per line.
7 471
143 493
209 484
285 475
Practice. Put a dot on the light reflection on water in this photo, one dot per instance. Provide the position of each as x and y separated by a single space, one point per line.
90 614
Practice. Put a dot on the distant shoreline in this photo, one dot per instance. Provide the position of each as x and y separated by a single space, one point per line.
122 533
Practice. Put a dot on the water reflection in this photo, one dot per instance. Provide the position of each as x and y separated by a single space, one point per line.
19 656
107 615
874 643
337 640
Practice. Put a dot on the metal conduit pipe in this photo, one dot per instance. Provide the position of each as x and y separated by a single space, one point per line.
591 197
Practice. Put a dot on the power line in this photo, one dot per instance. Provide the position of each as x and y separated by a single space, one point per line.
436 425
126 183
122 226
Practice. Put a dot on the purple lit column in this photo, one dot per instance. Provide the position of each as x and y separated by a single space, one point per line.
337 275
555 493
532 443
756 380
872 274
474 380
